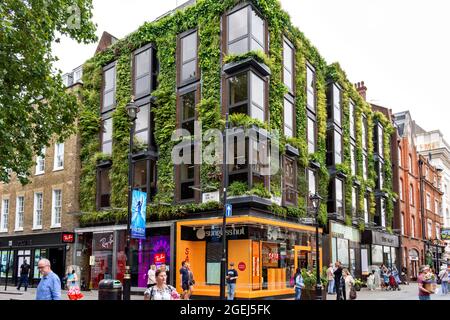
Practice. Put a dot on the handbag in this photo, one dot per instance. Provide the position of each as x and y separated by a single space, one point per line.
352 293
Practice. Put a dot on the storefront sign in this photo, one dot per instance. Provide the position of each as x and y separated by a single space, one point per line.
103 241
211 196
384 239
160 258
340 231
68 237
138 214
241 266
270 254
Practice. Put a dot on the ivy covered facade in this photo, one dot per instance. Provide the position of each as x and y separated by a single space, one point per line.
248 60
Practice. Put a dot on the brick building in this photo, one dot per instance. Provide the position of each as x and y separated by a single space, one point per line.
37 219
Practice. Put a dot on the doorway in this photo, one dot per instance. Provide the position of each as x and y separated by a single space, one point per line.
56 257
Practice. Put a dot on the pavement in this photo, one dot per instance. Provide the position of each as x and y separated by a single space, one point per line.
407 292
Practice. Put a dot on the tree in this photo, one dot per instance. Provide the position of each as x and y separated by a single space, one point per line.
34 104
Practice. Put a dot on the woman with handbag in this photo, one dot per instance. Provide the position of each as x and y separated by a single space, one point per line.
350 291
299 284
443 279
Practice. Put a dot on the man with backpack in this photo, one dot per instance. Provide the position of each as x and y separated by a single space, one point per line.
24 274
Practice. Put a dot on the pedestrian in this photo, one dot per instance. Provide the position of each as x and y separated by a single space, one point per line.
161 290
330 277
191 280
151 276
72 279
231 277
349 282
184 275
424 294
49 287
299 284
165 268
24 274
371 281
337 280
443 277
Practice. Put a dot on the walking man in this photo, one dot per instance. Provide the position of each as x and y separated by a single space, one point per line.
49 287
337 280
24 274
232 275
184 275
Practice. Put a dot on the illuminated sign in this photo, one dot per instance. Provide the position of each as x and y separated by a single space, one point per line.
68 237
160 258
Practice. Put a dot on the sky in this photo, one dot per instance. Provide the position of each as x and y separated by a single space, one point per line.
400 49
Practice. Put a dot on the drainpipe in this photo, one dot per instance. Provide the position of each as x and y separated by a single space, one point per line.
422 210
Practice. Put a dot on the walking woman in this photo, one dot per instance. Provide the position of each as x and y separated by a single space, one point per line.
349 282
443 276
161 291
299 284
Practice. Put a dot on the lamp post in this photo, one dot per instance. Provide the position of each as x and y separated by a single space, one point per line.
315 201
132 111
223 261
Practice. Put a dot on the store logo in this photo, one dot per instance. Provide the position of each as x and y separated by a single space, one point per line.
200 234
160 258
107 243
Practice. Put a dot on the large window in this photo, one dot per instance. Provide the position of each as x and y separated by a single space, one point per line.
380 140
354 201
337 148
141 133
336 105
365 167
429 229
107 136
20 209
109 88
311 88
187 178
104 188
366 209
383 212
413 227
364 132
188 54
410 164
56 208
40 162
187 111
288 118
312 184
59 156
399 156
428 201
5 216
311 135
142 72
352 118
247 95
145 177
352 159
38 207
339 197
288 62
290 181
246 31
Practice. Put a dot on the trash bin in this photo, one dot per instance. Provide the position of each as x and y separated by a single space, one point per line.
110 290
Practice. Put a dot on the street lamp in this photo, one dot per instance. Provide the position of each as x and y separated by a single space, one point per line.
315 201
132 111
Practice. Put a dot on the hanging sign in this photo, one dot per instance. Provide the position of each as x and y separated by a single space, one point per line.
138 214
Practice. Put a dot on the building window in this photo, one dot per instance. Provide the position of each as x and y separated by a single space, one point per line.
246 31
430 229
366 209
411 195
142 73
56 208
188 53
312 183
288 63
426 173
436 207
336 112
5 215
40 162
289 118
380 174
401 189
438 232
352 118
59 156
38 206
428 201
352 159
410 164
354 202
365 165
142 127
20 209
109 88
399 156
339 198
290 181
187 178
311 88
241 101
311 135
364 133
187 106
337 148
77 74
104 188
107 136
380 140
413 227
383 212
402 223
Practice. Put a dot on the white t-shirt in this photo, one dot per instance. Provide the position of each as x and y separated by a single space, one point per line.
151 276
160 294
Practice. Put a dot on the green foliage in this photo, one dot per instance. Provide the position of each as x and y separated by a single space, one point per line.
310 278
257 55
34 105
237 188
260 191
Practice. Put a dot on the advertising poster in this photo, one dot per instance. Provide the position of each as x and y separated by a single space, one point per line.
138 214
270 254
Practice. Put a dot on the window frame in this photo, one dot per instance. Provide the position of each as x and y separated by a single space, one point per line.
56 166
18 225
291 101
35 211
335 200
288 187
99 193
4 219
181 63
151 73
40 160
411 195
313 69
54 223
351 113
289 44
151 142
331 108
112 65
106 117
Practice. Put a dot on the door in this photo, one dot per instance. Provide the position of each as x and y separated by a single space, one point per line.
56 257
22 255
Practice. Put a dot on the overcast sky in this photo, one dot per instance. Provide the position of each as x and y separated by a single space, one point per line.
400 48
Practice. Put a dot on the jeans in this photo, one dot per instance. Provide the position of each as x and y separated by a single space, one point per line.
24 280
331 288
424 298
231 288
444 288
298 293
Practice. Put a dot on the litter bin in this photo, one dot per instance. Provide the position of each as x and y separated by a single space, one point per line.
110 290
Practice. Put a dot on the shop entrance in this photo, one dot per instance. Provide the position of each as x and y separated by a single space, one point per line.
56 257
306 258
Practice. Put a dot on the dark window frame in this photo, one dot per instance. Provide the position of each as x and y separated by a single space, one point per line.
112 65
181 63
313 69
99 193
150 128
288 187
152 73
352 118
151 176
293 72
315 180
105 117
291 100
331 109
335 198
314 121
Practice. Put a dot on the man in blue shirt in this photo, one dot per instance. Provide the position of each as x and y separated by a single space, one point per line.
49 287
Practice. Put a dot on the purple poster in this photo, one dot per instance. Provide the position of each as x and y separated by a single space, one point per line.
153 250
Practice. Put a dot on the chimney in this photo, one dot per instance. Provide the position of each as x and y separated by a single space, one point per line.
362 89
105 41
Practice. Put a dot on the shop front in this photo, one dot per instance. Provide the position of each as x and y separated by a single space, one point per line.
343 244
382 248
265 252
100 254
53 246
